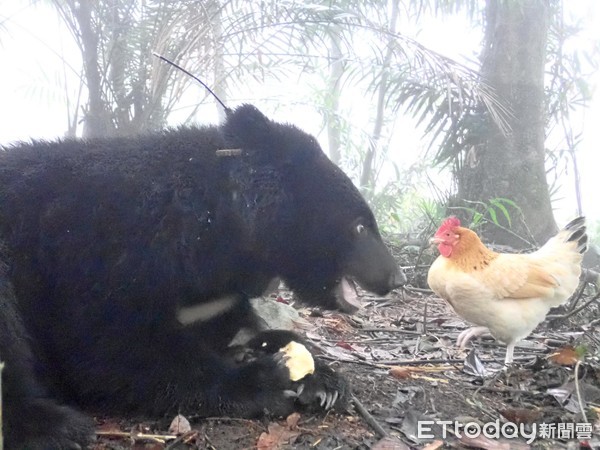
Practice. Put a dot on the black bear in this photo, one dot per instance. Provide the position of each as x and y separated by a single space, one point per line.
127 264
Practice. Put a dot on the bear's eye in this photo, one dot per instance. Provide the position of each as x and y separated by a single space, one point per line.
360 228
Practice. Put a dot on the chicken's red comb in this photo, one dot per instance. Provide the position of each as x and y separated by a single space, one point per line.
449 223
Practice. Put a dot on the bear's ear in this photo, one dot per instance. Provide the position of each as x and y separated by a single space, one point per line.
246 127
267 142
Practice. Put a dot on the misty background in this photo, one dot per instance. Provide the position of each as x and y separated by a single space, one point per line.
484 109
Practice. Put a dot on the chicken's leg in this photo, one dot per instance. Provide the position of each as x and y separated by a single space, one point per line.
510 348
466 335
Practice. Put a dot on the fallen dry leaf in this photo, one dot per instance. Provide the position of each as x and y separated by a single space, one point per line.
336 322
147 446
411 426
433 445
404 372
345 346
429 379
390 443
339 353
492 444
565 356
521 415
180 425
474 366
401 373
108 426
276 437
292 421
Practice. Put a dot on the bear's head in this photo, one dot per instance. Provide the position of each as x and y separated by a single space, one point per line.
305 215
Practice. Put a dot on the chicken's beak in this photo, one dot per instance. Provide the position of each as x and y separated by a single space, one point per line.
435 241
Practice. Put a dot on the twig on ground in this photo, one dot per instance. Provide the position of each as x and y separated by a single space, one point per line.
417 290
369 299
425 316
381 433
473 401
452 361
387 364
160 438
577 295
498 390
357 361
575 311
416 349
185 437
592 277
390 330
375 340
594 322
578 391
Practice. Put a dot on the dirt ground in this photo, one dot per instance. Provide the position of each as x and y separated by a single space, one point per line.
400 357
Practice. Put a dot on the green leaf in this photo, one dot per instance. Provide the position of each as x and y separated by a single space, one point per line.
492 213
498 204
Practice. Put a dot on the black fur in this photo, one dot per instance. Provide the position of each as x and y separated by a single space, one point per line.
104 242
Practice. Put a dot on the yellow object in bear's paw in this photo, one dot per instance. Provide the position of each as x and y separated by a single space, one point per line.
299 360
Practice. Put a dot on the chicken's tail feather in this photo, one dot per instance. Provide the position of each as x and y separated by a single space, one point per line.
577 233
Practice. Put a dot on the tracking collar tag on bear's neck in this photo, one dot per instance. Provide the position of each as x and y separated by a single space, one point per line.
204 312
228 152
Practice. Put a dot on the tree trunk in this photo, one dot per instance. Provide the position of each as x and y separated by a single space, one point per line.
511 165
220 74
334 92
367 177
97 119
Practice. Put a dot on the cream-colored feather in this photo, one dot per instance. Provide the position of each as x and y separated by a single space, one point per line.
509 294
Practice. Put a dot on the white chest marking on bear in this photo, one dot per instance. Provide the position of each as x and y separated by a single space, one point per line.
201 313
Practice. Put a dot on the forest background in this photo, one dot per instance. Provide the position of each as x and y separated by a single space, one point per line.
484 109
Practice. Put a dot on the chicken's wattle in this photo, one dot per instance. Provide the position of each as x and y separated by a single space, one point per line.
445 249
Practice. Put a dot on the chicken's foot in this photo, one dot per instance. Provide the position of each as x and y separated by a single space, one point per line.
466 335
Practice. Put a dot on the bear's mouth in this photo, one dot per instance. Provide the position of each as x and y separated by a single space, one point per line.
346 296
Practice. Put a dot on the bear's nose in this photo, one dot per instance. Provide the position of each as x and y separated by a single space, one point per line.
397 279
